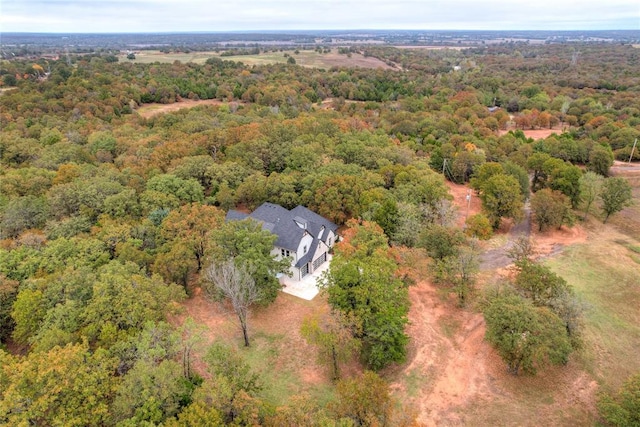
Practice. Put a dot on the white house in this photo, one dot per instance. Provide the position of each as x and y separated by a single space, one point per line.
303 235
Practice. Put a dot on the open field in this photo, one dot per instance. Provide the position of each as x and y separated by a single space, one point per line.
151 56
306 58
536 133
154 109
606 275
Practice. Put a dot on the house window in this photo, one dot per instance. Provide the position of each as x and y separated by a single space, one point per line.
304 249
285 253
329 242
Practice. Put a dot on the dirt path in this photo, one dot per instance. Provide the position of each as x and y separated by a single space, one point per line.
498 258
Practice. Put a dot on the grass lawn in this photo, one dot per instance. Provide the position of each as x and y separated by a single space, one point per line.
606 277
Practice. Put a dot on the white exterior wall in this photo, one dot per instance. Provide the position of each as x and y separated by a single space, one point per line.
331 236
306 240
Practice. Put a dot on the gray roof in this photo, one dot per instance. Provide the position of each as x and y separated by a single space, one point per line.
315 221
284 223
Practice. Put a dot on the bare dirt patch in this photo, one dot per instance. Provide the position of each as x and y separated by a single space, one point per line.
551 242
465 208
335 59
150 110
536 133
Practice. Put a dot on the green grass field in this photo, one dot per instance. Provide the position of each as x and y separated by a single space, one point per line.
607 278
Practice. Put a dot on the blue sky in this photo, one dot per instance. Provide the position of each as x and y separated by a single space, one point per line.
243 15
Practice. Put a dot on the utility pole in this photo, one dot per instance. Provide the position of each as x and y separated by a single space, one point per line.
633 149
466 216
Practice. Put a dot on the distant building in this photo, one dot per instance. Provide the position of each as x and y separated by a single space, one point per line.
303 235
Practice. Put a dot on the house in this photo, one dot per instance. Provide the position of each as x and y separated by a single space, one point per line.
303 235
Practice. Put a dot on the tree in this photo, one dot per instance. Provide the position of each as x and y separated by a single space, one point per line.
196 415
362 284
460 271
8 293
527 337
590 188
538 283
68 386
150 392
615 196
478 226
501 198
366 400
623 408
191 225
234 283
440 242
600 160
333 335
22 213
550 209
232 388
250 247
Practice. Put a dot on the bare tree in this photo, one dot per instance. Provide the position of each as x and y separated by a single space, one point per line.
228 281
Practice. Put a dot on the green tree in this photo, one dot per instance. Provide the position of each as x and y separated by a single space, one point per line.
460 271
527 337
615 196
196 415
125 297
482 174
366 400
149 392
233 387
333 335
478 226
600 160
250 247
501 198
440 242
68 386
538 283
22 213
8 294
623 408
590 188
192 225
362 284
550 209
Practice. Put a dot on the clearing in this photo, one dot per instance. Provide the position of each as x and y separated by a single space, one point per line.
153 109
305 58
536 133
452 376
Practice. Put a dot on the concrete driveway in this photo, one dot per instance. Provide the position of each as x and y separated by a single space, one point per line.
305 288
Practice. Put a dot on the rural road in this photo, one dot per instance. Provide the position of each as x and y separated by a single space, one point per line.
498 258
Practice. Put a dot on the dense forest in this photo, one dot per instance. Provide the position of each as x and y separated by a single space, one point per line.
109 220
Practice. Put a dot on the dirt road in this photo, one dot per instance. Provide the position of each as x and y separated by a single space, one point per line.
498 258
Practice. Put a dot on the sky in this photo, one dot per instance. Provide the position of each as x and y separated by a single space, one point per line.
115 16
